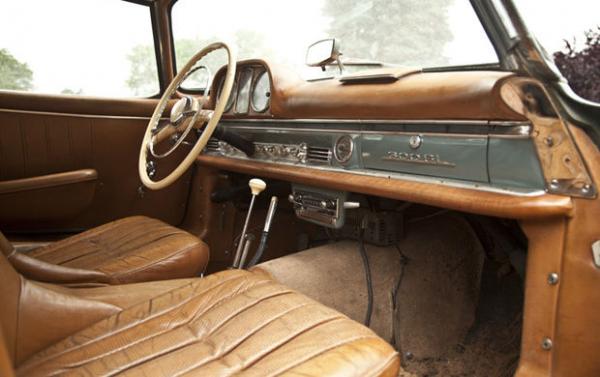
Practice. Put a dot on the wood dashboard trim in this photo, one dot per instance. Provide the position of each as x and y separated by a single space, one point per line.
456 198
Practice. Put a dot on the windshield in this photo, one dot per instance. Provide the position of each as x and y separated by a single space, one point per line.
419 33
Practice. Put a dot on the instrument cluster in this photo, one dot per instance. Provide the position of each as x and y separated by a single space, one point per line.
251 91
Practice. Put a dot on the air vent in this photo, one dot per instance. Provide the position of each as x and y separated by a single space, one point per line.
318 154
212 145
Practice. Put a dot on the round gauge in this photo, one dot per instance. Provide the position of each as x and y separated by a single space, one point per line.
231 95
261 93
344 146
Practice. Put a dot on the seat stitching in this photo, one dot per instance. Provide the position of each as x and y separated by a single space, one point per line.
89 236
281 343
131 325
154 262
118 250
212 331
322 351
154 335
385 365
88 233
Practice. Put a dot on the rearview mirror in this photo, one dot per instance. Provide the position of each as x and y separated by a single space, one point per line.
322 53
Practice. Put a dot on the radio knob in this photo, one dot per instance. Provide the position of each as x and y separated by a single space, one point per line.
278 151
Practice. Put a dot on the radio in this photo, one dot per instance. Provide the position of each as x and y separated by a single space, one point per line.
320 206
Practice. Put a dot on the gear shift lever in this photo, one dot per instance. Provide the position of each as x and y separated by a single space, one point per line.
256 187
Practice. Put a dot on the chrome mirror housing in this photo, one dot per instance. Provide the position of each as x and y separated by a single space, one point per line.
323 53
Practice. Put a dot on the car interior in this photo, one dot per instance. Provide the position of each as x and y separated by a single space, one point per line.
395 221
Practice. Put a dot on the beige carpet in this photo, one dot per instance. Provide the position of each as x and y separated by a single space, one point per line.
445 322
333 275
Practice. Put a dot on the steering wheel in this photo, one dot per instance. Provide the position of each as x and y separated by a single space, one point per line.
186 113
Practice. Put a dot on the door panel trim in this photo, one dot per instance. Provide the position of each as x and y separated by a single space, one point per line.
49 180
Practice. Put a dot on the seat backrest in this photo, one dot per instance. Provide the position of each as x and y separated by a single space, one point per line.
10 292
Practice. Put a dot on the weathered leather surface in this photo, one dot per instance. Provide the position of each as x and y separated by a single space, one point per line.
233 322
134 249
45 135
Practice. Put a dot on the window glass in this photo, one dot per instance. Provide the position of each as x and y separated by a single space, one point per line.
569 31
421 33
87 47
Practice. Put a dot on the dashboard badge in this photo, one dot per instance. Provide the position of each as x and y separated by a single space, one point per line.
417 158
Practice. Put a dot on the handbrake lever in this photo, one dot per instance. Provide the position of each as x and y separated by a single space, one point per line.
265 234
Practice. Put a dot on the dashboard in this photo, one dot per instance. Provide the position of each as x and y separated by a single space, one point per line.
442 138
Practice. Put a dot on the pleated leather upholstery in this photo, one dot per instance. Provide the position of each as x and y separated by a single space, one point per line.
129 250
233 322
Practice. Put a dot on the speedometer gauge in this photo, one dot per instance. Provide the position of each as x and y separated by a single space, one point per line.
261 93
343 149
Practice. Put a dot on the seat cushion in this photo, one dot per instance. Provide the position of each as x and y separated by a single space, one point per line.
129 250
233 322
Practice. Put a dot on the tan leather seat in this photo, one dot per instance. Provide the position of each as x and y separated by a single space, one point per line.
133 249
234 322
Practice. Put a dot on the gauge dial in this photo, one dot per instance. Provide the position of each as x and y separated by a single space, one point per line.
231 95
243 97
344 147
261 93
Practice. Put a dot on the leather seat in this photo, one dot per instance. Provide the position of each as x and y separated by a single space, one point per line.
233 322
133 249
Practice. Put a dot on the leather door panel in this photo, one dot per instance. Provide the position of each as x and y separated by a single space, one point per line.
79 135
26 200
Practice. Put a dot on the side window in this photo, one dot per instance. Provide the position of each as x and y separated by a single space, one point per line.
91 47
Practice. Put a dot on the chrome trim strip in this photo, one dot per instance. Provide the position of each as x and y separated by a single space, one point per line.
405 177
467 122
522 132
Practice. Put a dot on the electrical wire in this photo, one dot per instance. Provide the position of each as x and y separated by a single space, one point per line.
367 268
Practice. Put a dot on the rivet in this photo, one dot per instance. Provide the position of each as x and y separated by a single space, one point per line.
547 344
552 278
549 141
408 355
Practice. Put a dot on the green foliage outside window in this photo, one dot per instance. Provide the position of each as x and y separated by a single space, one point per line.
14 75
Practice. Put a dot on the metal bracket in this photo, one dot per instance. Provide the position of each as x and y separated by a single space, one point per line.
571 187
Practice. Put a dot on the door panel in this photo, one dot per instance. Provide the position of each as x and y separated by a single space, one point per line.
79 134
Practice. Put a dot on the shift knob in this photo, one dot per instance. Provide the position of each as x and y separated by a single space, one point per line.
257 186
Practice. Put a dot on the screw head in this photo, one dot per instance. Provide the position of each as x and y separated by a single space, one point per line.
552 278
408 355
549 141
586 189
547 344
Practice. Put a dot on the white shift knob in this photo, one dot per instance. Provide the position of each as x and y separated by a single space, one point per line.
257 186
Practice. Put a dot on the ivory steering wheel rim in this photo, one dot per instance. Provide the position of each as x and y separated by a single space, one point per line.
212 117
